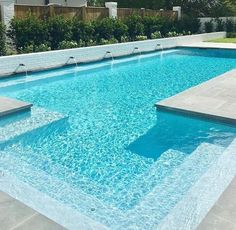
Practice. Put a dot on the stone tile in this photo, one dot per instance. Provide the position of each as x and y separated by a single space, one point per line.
227 211
16 216
211 45
13 212
4 198
38 222
223 214
213 222
9 106
215 98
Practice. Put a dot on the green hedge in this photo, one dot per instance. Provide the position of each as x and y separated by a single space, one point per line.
2 40
31 34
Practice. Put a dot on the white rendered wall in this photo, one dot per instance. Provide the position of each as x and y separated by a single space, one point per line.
44 60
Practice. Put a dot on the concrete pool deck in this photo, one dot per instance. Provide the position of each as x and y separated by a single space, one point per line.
212 45
9 106
222 215
16 216
215 99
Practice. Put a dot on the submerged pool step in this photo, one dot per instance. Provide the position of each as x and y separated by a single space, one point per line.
38 118
157 204
165 164
190 211
56 189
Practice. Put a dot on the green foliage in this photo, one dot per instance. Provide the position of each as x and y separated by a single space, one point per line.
28 31
68 44
196 8
209 26
2 40
141 38
96 2
31 34
220 25
135 26
109 28
150 4
152 25
188 23
156 35
106 41
231 35
59 29
82 31
33 48
42 48
104 29
120 29
230 26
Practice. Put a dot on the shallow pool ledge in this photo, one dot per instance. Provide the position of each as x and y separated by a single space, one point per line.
9 106
214 99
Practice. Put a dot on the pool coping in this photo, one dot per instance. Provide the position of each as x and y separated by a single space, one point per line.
214 99
211 45
9 106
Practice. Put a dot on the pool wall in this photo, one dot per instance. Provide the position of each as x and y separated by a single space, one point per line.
45 60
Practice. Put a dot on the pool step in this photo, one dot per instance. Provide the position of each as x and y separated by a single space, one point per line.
166 195
9 106
55 189
194 206
38 118
163 166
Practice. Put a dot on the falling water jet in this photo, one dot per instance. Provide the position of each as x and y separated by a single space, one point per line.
74 59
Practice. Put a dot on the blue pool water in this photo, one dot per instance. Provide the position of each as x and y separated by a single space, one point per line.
105 148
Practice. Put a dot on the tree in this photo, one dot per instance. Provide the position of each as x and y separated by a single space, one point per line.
149 4
96 2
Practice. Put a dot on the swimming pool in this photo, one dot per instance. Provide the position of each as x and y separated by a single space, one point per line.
95 145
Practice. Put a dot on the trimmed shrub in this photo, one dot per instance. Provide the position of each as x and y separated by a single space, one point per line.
82 31
231 35
2 40
156 35
220 25
151 25
209 26
31 34
59 29
167 25
28 31
135 26
120 30
188 23
229 26
104 29
68 45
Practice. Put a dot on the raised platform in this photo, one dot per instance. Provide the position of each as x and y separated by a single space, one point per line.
214 99
9 106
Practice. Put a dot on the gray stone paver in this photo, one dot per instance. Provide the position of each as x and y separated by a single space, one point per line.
211 45
9 106
215 98
16 216
223 214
